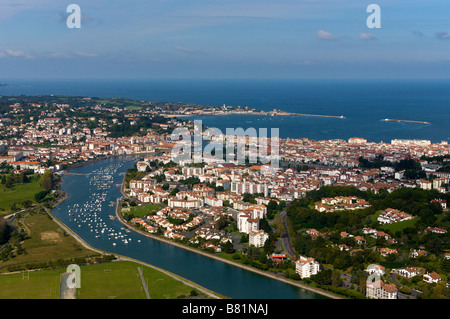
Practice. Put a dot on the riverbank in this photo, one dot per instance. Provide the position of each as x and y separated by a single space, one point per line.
64 196
230 262
121 258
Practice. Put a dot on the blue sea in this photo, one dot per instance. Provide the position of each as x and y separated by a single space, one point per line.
363 103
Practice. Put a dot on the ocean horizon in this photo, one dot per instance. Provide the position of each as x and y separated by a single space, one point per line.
364 104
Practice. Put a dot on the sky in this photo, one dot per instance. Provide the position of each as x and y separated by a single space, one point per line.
224 39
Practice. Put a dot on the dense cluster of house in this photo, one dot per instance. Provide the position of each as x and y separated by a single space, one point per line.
390 215
341 203
72 141
377 289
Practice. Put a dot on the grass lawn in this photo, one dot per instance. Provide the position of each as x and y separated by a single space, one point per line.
43 284
400 226
118 280
46 242
393 228
140 211
18 194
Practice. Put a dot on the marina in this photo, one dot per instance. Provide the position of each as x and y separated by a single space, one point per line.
87 212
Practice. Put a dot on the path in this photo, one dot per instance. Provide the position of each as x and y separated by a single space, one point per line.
144 284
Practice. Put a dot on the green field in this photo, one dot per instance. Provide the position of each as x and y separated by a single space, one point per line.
393 228
46 242
140 211
42 284
17 194
400 226
119 280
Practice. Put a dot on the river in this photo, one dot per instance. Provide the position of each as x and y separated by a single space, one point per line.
92 192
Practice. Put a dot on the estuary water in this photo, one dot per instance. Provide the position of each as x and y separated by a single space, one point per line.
363 103
93 190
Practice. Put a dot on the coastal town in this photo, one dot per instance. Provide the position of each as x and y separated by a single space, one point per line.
332 215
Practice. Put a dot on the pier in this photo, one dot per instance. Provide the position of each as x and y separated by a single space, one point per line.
314 115
406 121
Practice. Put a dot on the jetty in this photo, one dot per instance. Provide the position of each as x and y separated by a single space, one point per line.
314 115
272 113
406 121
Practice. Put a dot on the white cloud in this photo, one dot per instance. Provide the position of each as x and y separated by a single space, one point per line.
325 35
366 36
11 53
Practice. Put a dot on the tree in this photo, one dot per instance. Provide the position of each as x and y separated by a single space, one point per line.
336 278
323 277
174 191
46 180
228 248
41 195
4 230
269 245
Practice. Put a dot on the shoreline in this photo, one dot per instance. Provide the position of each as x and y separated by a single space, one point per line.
232 263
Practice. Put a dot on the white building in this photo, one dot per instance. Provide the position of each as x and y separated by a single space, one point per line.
240 188
246 223
432 277
187 204
389 216
378 269
306 267
380 290
257 238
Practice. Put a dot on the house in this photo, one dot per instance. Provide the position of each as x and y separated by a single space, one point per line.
432 278
417 253
390 215
306 267
379 290
437 230
278 257
313 233
360 240
386 251
408 272
442 202
378 269
346 235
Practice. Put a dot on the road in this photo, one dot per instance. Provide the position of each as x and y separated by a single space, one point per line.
285 238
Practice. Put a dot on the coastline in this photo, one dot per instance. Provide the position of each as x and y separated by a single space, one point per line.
230 262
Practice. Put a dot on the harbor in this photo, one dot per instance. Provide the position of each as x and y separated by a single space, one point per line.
87 212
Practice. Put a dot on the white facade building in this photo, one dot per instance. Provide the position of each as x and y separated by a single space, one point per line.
306 267
257 238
